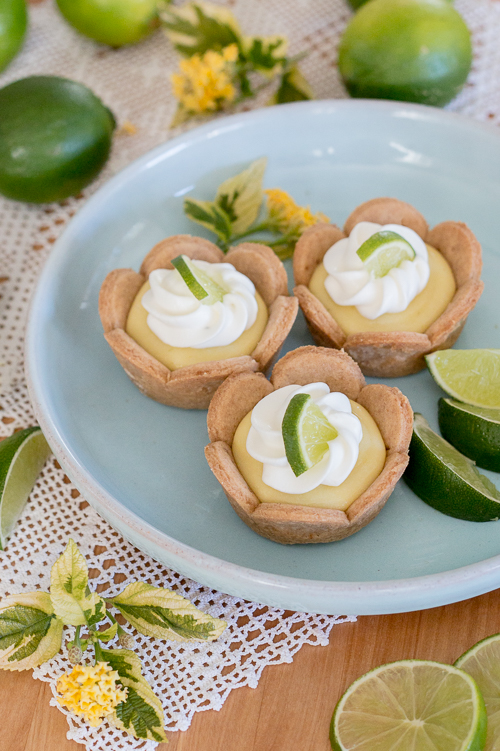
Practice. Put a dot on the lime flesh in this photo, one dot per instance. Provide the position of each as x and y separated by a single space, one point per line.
113 22
306 432
411 50
474 431
13 23
446 480
22 456
55 136
410 705
383 251
482 662
469 375
203 287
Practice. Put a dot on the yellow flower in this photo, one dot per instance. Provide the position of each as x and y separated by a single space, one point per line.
204 83
91 691
286 216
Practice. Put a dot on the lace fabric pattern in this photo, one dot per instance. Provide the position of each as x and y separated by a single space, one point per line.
134 83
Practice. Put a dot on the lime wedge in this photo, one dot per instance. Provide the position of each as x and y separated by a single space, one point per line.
22 456
446 480
482 662
469 375
198 281
475 431
383 251
306 432
410 705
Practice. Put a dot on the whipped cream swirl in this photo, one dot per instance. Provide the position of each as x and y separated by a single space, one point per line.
265 440
180 320
349 283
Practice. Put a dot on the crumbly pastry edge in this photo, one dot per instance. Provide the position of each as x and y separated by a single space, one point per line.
396 353
193 386
292 524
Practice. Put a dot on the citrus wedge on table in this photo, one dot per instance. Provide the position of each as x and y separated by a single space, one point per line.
203 287
482 662
306 433
474 431
22 456
446 480
383 251
469 375
410 705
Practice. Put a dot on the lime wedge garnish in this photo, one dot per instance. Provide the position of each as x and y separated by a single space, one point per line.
306 432
475 431
482 662
446 479
22 456
469 375
414 705
383 251
198 281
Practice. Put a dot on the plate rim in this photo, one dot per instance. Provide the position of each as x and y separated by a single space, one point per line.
400 595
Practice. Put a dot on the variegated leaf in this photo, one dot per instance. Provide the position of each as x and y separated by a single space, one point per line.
209 215
71 597
293 88
30 633
197 27
241 196
266 54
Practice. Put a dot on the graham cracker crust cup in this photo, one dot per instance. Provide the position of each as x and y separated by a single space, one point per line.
293 524
394 353
193 386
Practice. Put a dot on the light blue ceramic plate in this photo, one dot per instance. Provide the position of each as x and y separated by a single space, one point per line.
141 464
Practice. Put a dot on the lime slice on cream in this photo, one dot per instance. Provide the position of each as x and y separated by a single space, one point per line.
306 433
383 251
203 287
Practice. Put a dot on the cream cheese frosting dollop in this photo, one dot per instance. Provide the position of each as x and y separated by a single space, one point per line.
265 439
349 283
180 320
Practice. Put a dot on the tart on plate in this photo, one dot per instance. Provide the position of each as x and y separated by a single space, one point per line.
188 376
391 344
326 513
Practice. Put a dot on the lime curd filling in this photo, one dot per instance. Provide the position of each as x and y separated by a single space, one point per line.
354 459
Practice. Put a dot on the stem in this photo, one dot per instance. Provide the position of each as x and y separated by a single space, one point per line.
77 641
262 227
99 657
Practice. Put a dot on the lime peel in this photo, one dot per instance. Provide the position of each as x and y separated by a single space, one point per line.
202 286
306 433
383 251
474 431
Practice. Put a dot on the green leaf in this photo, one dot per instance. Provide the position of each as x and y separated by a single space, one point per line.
209 215
197 27
266 53
293 88
141 714
71 597
30 633
158 612
241 196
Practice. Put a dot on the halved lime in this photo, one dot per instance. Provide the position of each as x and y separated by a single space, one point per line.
203 287
22 456
306 432
469 375
13 23
482 662
475 431
446 480
383 251
410 705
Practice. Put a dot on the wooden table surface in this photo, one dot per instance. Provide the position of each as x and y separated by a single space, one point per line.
292 705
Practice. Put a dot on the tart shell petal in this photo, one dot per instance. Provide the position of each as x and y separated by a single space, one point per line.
161 255
387 211
260 264
309 252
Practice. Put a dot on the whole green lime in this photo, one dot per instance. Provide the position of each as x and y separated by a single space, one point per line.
412 50
113 22
13 23
55 136
358 3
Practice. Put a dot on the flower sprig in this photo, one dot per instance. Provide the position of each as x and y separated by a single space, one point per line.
242 209
222 66
112 686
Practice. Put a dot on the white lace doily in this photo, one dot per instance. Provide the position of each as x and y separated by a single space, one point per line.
134 83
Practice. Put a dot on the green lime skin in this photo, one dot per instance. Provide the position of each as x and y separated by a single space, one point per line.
410 50
55 136
113 22
358 3
474 431
13 24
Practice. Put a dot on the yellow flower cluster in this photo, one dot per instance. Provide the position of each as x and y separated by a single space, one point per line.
91 691
286 216
205 82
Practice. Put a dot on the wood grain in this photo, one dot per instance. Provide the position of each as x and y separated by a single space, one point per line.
292 705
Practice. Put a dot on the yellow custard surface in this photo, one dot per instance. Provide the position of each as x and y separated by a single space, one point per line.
371 460
179 357
423 310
